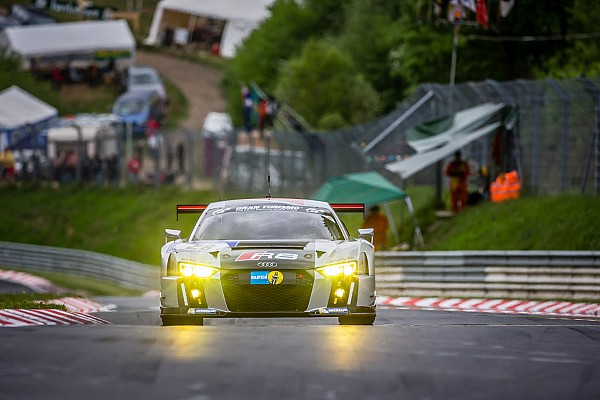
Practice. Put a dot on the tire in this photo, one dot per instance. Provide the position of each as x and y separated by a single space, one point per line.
172 320
357 319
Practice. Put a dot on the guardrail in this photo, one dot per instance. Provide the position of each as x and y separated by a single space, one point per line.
129 274
568 275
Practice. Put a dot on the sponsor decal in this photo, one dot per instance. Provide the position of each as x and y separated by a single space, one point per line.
266 277
333 310
265 255
315 210
267 264
275 277
202 311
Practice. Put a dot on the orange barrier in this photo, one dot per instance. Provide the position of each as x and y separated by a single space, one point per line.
507 186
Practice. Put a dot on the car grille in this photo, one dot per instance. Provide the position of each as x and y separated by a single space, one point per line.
266 298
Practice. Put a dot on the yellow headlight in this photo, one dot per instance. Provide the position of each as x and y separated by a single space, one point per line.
347 268
200 271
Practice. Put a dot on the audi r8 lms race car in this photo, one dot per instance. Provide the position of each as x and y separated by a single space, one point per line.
268 257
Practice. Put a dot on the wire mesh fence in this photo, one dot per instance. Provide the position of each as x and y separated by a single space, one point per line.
554 144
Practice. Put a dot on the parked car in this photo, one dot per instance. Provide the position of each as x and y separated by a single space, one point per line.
30 15
144 78
7 22
138 108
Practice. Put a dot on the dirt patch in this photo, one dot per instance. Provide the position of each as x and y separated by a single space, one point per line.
199 84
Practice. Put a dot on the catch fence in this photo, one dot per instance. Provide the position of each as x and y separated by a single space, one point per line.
554 144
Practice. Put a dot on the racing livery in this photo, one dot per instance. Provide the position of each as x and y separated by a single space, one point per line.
268 257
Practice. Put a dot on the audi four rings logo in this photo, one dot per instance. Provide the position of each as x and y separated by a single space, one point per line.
267 264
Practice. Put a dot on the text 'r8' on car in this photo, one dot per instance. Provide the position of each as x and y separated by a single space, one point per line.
268 258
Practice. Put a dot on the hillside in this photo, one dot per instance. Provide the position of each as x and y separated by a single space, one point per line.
130 222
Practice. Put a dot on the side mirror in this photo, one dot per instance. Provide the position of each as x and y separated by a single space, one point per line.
172 234
366 234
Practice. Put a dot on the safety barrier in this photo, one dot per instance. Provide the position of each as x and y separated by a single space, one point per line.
565 275
122 272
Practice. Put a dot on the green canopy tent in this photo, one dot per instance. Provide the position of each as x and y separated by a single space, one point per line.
370 188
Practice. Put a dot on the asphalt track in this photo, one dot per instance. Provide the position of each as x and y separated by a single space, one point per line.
408 354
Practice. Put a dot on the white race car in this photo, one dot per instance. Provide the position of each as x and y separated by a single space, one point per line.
268 257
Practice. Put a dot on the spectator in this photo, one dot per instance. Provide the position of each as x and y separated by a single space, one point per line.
133 169
7 161
263 105
379 224
458 171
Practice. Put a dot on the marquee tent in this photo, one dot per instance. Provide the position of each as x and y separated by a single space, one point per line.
435 140
21 113
370 188
240 17
85 40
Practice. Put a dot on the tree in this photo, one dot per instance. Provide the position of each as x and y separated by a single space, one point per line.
322 85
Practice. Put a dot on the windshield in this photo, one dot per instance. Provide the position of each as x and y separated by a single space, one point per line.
269 225
130 107
143 79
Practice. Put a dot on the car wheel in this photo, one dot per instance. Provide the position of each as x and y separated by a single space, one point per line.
171 320
356 319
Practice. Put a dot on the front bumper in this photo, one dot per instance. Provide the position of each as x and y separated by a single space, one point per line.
302 293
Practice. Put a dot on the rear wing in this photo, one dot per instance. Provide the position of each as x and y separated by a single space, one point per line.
337 207
190 209
349 207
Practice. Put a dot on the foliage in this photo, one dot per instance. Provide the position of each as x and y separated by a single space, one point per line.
277 39
28 301
321 81
581 56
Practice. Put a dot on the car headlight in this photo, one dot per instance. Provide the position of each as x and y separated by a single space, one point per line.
198 270
344 268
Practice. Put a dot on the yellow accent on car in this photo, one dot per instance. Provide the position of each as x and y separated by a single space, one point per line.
197 270
346 268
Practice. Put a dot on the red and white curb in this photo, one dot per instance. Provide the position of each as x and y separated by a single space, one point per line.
35 283
77 308
79 305
550 308
16 318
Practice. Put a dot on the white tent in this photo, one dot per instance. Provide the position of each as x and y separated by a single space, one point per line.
240 16
467 126
21 111
88 39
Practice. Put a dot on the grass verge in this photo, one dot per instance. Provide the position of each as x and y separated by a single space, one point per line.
28 301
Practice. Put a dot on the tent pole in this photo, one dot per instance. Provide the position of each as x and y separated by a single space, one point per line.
390 218
418 240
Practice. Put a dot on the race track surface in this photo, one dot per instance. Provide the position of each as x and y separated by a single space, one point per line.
408 354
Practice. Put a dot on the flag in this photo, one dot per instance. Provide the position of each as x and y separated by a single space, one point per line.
470 4
482 14
505 7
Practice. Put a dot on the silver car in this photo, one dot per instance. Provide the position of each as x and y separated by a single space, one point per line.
146 78
268 257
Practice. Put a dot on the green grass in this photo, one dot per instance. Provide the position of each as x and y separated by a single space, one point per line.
564 222
28 301
127 223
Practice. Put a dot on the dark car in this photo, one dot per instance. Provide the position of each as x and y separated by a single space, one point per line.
30 15
7 22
